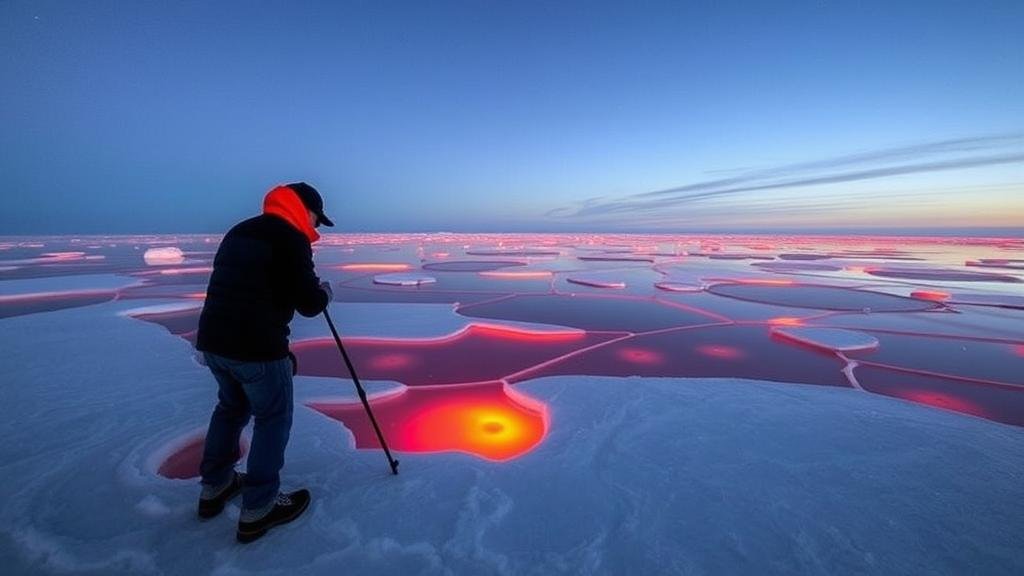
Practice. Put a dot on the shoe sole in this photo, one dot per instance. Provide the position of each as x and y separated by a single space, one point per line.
246 537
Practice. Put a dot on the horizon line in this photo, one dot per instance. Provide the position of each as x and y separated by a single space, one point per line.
974 232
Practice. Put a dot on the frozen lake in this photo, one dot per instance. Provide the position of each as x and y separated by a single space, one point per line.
471 345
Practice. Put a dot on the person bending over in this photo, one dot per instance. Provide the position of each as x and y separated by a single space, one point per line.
262 274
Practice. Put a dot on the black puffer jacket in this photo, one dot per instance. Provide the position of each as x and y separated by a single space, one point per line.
262 274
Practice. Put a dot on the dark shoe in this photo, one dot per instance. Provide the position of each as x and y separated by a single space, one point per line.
213 504
286 508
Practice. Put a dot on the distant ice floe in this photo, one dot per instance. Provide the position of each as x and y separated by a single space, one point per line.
403 279
25 287
161 308
940 275
797 266
820 297
946 296
834 339
804 256
52 258
597 280
526 252
1008 263
471 265
164 256
609 257
679 286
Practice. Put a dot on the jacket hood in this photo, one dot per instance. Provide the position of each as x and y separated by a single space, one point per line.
284 203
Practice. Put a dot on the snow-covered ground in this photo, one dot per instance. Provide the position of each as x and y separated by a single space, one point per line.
635 476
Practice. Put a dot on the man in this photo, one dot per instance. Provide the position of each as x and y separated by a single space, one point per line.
262 274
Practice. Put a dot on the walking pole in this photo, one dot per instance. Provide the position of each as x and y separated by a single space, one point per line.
362 394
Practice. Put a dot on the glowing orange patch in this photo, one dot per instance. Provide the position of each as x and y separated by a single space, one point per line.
489 420
942 400
786 321
1019 350
63 255
933 296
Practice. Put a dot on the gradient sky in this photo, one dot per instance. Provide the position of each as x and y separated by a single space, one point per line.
518 116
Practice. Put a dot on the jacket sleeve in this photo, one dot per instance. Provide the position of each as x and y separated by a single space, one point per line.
310 300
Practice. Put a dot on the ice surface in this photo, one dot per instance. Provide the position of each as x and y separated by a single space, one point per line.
818 297
65 284
991 401
588 312
1005 300
974 359
597 281
676 286
398 279
733 309
942 275
1009 263
797 266
34 295
836 339
610 279
614 258
514 252
632 475
471 265
164 256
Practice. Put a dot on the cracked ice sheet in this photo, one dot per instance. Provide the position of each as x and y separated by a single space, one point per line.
635 476
653 476
835 339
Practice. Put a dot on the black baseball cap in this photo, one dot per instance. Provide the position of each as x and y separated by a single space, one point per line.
312 200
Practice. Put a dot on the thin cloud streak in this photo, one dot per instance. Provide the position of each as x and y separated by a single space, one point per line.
908 207
815 173
820 180
902 153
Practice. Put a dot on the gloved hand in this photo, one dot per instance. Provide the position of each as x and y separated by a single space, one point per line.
326 287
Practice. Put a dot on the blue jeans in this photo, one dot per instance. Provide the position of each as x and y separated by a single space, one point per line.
262 390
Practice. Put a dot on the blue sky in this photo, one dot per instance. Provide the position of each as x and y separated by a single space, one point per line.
514 116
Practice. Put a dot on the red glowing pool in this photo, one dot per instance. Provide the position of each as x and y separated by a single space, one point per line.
490 420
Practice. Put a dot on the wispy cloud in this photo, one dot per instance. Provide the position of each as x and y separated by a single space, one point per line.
929 157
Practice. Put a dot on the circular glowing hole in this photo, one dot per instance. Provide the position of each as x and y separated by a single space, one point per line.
493 427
